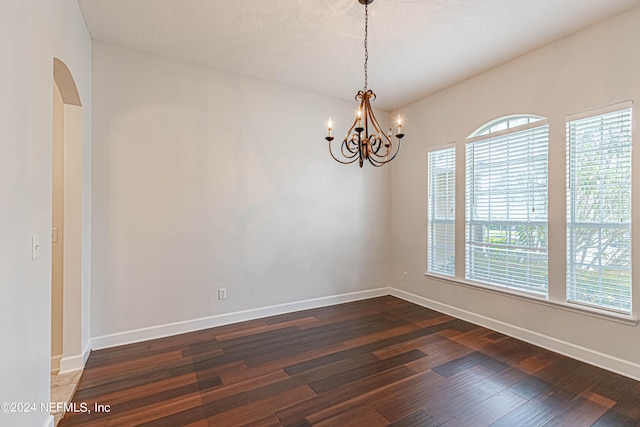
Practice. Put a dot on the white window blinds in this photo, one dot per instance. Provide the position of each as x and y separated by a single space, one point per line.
441 211
506 208
599 209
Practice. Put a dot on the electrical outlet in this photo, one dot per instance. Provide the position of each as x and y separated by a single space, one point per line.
222 293
404 276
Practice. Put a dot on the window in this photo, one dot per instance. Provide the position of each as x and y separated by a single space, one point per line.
506 205
441 211
599 208
505 123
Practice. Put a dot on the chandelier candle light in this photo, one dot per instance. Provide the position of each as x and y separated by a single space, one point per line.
376 147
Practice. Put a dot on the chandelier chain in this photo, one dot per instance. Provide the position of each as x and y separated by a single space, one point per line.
366 48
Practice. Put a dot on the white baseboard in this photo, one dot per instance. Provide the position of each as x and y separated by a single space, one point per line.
49 422
161 331
86 352
71 363
74 363
605 361
55 363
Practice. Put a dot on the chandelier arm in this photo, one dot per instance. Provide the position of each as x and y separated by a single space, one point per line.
384 157
376 163
380 133
388 147
381 159
340 161
352 144
373 119
375 143
353 126
395 154
379 147
344 146
381 136
367 112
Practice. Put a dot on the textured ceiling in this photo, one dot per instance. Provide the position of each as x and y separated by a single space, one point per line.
416 47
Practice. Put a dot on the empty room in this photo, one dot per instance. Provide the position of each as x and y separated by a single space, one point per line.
335 213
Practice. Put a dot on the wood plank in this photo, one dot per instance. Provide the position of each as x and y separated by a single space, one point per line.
487 412
448 406
466 362
363 371
254 411
417 419
410 399
368 418
580 412
536 411
328 404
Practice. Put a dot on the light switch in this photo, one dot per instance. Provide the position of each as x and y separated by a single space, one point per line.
54 235
35 247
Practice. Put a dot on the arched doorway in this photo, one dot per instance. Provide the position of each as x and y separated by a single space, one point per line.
66 262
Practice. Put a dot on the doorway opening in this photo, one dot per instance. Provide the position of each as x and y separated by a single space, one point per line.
66 237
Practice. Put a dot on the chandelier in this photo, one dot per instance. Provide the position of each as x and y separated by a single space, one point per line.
365 140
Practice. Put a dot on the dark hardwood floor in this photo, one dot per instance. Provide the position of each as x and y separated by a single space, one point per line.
377 362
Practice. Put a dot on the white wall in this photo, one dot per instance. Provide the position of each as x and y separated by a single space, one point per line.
32 33
204 180
595 67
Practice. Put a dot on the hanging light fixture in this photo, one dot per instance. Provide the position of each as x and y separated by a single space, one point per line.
365 140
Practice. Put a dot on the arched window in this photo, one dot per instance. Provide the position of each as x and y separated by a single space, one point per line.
504 123
506 204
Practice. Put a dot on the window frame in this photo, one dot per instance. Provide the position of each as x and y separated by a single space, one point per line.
572 286
509 251
431 217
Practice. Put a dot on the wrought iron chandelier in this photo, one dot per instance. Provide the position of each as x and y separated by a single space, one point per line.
365 140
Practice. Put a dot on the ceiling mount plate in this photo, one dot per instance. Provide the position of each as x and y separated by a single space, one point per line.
365 1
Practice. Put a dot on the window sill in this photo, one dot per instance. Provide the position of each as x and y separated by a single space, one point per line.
629 320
